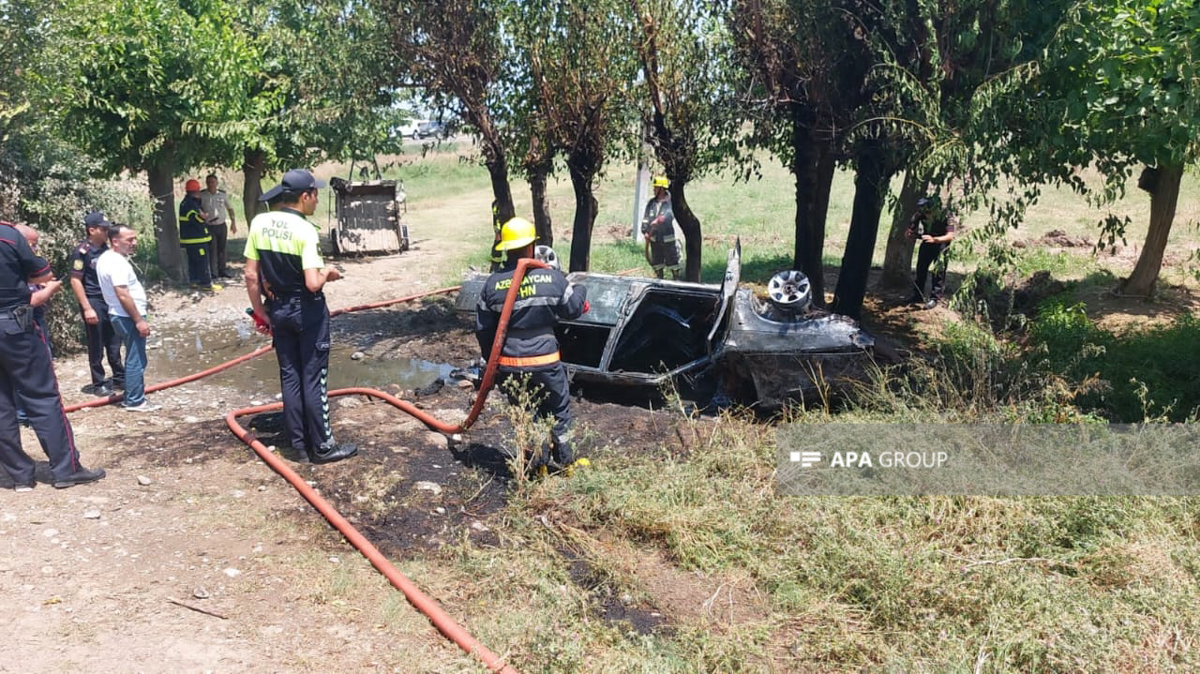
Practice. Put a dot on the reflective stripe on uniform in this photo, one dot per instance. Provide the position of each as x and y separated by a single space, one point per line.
204 240
529 361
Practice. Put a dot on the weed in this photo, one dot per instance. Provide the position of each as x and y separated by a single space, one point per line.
1147 374
531 434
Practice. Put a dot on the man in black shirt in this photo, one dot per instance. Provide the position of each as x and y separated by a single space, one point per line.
934 225
101 338
25 363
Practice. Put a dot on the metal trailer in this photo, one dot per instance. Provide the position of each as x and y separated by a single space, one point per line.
369 217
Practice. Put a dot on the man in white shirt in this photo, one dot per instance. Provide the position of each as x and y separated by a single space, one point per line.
215 204
126 300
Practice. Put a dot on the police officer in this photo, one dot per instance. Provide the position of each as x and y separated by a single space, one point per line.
531 348
283 262
25 362
102 339
658 226
195 237
934 225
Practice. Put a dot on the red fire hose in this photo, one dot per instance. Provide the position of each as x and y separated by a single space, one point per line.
423 603
440 619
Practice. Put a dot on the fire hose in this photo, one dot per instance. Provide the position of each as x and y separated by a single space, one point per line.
422 602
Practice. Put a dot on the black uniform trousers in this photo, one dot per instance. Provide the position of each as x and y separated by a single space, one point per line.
102 341
25 365
216 252
551 391
927 254
197 261
300 326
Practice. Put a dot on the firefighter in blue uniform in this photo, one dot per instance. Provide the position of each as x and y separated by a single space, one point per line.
531 347
195 237
497 258
25 363
283 262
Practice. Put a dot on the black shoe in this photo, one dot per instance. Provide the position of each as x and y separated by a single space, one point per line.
89 389
335 453
296 455
119 384
81 476
933 302
102 391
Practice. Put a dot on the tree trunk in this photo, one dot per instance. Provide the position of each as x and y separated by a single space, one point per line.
541 206
161 180
897 260
1163 198
870 186
826 165
585 216
689 224
810 230
253 166
497 165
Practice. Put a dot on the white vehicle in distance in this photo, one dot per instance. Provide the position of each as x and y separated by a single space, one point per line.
411 129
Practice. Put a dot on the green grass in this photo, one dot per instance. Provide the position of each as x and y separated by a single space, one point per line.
1147 373
831 584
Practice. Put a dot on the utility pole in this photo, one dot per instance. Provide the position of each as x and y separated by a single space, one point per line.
641 186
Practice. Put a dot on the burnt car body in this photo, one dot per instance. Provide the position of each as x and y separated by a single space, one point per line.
716 338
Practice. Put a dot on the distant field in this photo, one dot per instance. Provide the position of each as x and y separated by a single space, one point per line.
761 213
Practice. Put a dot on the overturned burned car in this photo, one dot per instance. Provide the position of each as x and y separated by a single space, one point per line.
713 341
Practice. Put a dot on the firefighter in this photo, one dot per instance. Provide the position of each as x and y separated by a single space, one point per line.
284 263
658 226
497 257
530 348
195 237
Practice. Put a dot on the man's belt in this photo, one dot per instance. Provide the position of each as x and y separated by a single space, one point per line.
529 361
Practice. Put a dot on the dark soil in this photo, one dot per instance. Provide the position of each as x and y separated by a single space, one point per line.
642 618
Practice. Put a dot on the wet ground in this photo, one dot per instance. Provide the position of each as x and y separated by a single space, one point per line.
412 491
402 348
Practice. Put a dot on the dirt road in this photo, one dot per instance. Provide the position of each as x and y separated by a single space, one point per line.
192 555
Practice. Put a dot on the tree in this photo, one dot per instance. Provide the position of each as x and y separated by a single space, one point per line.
454 50
813 64
321 88
787 96
143 75
583 66
1118 87
689 109
526 123
959 48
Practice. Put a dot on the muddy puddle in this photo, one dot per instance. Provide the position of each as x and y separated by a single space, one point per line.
178 350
